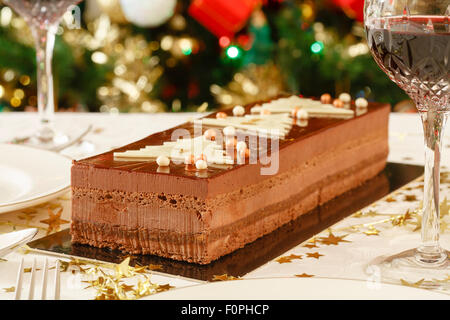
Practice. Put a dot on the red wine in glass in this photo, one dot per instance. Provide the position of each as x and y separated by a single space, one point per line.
414 52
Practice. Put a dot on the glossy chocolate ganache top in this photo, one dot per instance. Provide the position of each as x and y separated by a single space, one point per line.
296 132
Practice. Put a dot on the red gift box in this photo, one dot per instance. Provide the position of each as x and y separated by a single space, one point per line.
222 17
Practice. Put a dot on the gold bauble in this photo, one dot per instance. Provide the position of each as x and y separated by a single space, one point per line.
113 9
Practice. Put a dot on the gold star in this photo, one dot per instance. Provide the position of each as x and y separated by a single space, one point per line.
444 225
304 275
223 277
11 289
311 243
415 284
164 287
390 199
283 260
401 219
54 221
126 288
372 231
54 205
410 197
444 208
27 214
123 269
332 239
314 255
370 213
357 214
287 259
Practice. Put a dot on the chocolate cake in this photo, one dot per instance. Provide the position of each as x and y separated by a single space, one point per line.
201 197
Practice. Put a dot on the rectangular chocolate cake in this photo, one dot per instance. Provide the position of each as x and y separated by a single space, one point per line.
194 194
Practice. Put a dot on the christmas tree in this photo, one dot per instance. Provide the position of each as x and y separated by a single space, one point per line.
169 55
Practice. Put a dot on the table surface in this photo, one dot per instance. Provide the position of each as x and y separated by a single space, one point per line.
369 233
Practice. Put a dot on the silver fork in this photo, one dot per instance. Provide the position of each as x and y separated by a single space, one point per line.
33 280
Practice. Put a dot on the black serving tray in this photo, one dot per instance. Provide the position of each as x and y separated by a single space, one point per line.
259 252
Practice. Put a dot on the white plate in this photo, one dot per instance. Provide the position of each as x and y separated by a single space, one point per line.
30 176
296 289
10 241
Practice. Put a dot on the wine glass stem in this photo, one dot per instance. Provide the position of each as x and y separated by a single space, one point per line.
430 251
45 41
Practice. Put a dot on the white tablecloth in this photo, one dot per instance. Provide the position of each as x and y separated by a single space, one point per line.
345 260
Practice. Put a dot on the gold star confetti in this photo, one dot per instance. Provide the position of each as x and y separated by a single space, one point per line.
410 197
110 285
223 277
10 289
54 205
332 239
304 275
444 208
372 231
444 225
390 199
311 243
401 219
283 260
288 259
165 287
357 214
123 269
415 284
54 221
314 255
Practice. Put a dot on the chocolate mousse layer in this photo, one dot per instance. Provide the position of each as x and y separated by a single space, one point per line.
180 214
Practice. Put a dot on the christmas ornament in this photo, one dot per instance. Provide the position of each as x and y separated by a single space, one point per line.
148 13
222 17
352 8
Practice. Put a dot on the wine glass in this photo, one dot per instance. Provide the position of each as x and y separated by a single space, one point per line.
43 18
410 41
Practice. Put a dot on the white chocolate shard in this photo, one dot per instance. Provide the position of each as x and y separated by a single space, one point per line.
315 109
277 125
178 150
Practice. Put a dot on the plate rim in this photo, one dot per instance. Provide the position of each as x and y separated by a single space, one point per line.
43 197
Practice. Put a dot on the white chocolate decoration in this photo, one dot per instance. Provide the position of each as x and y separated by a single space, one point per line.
361 103
201 164
302 114
210 134
241 145
163 161
238 111
229 143
229 131
178 150
272 119
316 109
345 98
277 125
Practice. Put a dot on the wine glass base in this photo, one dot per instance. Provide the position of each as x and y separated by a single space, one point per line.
55 140
409 268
